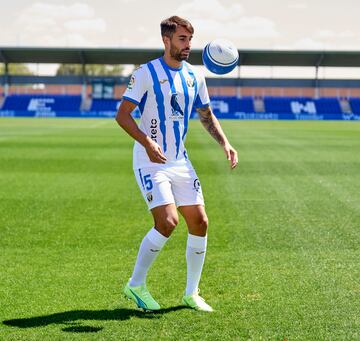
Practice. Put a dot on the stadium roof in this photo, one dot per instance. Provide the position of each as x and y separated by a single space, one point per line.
139 56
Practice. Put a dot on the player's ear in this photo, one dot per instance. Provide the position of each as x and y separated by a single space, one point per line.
166 41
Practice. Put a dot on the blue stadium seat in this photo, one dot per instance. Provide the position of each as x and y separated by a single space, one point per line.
104 105
355 105
39 102
282 105
328 105
246 104
306 105
226 106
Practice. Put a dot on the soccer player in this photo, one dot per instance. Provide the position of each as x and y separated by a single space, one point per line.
165 90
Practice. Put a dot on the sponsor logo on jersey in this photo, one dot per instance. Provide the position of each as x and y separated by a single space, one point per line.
197 185
131 82
176 111
153 129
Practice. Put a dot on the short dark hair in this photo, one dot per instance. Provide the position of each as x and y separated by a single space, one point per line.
169 25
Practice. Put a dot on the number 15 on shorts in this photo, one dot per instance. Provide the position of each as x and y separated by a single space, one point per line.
146 182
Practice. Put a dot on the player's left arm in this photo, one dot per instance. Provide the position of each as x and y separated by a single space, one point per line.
212 125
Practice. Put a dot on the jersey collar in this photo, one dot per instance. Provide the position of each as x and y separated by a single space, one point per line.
169 67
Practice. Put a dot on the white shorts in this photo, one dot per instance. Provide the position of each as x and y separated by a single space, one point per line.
169 184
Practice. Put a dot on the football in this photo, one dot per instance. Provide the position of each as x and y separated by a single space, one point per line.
220 56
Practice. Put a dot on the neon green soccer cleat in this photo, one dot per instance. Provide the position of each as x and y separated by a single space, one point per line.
196 302
142 297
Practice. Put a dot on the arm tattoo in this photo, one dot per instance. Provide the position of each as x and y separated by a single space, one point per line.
211 124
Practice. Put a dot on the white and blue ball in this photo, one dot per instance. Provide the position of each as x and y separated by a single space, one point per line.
220 56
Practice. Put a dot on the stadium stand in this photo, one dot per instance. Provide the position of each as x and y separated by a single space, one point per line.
233 98
285 105
104 105
355 105
304 108
328 106
224 107
106 108
41 105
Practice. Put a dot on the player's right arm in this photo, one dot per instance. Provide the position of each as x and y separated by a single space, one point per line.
126 121
138 85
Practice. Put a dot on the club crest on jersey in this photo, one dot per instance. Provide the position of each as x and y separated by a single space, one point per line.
197 186
149 196
131 82
176 111
190 82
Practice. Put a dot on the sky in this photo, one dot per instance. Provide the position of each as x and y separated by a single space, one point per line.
250 24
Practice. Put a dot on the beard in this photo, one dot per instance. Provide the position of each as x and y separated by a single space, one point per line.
178 54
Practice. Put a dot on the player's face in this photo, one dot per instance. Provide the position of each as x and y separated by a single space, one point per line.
180 44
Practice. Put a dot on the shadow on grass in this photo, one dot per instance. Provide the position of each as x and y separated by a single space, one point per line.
71 317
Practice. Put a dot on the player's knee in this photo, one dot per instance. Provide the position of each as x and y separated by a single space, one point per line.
203 223
199 226
171 222
168 225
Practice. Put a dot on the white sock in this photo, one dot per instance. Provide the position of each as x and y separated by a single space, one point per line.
195 256
150 247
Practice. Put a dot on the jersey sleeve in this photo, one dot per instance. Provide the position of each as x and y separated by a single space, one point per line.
137 85
202 99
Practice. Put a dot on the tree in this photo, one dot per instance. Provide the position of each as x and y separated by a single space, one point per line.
16 69
91 70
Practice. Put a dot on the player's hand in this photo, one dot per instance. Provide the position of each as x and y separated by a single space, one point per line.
154 152
231 155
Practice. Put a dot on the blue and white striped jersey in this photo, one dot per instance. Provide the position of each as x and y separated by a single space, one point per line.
165 97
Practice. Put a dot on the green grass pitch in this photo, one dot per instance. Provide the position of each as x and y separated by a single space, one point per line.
283 260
